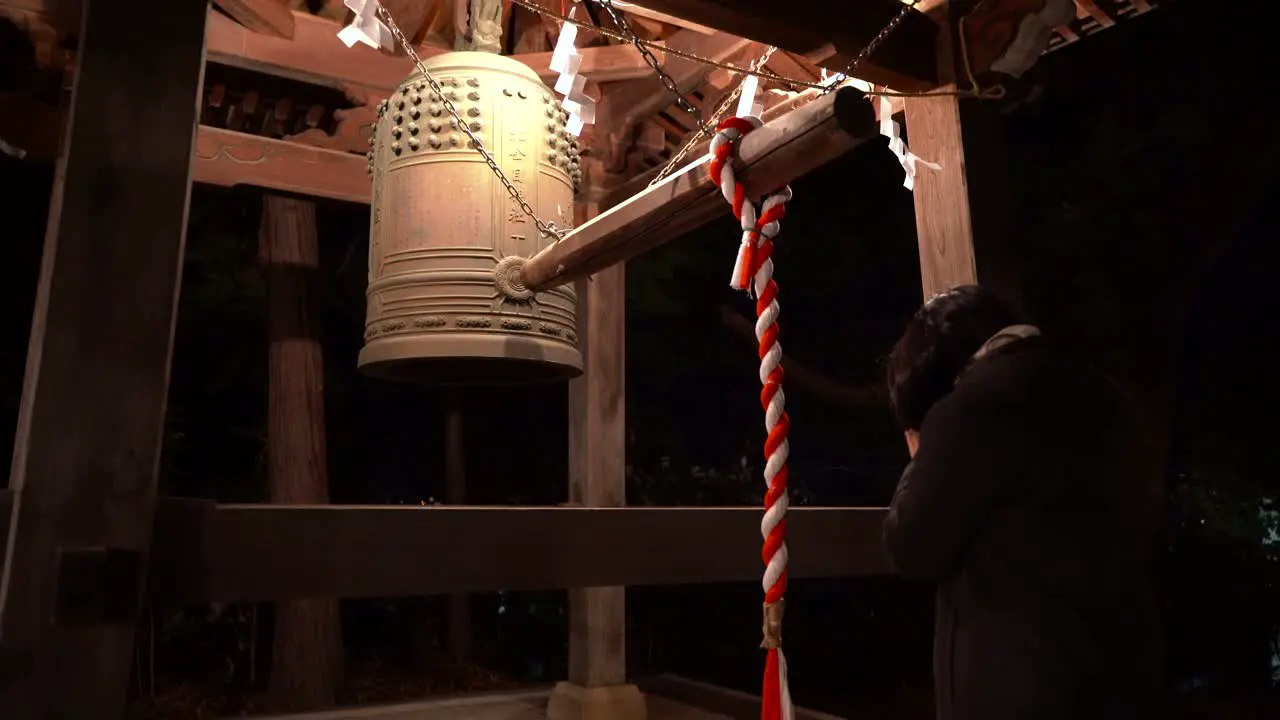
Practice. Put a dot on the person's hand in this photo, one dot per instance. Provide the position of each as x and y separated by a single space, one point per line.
913 442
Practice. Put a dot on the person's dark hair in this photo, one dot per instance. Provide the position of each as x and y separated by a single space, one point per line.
937 345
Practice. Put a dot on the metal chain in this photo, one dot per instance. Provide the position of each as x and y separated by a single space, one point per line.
681 101
761 73
546 228
715 119
870 47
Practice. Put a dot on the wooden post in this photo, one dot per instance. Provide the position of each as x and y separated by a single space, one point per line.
93 404
964 210
455 493
597 478
307 655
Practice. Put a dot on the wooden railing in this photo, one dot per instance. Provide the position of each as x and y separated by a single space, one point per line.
203 551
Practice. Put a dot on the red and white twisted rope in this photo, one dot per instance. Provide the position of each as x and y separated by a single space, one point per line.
754 271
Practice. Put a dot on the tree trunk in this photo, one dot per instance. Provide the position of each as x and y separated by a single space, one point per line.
455 476
307 653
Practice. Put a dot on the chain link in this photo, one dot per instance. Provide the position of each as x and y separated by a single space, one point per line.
756 68
613 34
870 47
546 228
681 101
715 119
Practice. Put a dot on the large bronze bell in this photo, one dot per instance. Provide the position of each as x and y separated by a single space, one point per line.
446 240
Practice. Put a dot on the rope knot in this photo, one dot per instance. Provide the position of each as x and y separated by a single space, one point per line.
758 228
773 613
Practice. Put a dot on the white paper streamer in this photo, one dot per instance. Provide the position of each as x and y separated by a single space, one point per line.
909 160
747 105
566 60
366 27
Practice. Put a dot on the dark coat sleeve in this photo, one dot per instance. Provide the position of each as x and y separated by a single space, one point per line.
970 447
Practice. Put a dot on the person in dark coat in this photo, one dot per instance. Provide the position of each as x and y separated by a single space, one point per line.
1031 505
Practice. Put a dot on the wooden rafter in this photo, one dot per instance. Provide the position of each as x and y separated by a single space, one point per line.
315 55
905 60
1089 8
412 16
270 17
789 65
1093 16
626 105
639 11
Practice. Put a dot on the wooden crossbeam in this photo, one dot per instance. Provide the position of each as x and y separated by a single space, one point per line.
637 184
625 105
643 12
227 158
1089 8
316 55
270 17
208 552
769 158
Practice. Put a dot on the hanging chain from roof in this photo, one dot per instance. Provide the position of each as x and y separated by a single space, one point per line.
716 117
548 229
755 70
762 73
615 35
672 87
870 47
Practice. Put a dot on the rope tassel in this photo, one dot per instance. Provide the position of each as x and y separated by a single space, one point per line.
753 272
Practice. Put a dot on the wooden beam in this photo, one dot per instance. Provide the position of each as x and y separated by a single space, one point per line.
412 16
626 105
224 553
631 8
269 17
228 158
316 55
1089 8
193 561
905 60
789 65
770 157
605 63
637 184
91 418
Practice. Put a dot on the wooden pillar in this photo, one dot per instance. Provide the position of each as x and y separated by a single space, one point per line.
964 211
597 687
455 493
307 657
93 405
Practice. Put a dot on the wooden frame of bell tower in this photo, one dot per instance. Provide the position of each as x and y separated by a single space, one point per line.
78 517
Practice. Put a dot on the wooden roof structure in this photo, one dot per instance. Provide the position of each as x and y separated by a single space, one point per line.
285 106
